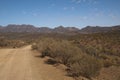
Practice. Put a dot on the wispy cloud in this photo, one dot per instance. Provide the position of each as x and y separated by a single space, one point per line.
24 12
52 5
95 2
73 8
85 17
76 1
34 14
113 16
85 1
65 8
109 15
30 13
69 8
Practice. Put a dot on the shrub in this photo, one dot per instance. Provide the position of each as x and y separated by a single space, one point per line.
107 63
11 43
34 47
63 51
3 42
86 66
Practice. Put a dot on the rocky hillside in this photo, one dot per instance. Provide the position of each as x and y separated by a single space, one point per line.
97 29
31 28
59 29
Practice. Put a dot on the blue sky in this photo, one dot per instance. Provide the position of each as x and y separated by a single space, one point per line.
52 13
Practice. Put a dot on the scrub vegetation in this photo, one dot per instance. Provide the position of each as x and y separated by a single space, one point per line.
83 54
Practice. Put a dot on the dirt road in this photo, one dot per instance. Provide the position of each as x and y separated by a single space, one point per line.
24 64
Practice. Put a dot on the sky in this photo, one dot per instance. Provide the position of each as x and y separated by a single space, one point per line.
53 13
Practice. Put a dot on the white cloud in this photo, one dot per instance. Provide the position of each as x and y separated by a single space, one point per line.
24 12
34 14
113 16
84 17
72 8
65 8
96 9
69 8
77 1
95 2
52 5
85 1
100 13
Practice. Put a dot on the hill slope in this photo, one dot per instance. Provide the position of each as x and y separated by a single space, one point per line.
59 29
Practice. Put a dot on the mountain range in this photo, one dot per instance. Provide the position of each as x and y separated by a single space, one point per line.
59 29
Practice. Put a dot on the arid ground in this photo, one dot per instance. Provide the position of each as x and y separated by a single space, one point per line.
23 64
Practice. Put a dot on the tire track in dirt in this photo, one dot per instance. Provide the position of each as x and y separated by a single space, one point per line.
22 64
14 65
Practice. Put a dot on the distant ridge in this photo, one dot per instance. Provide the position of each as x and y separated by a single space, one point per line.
59 29
97 29
31 28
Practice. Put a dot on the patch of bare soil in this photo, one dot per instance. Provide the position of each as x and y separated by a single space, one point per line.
111 73
24 64
48 70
